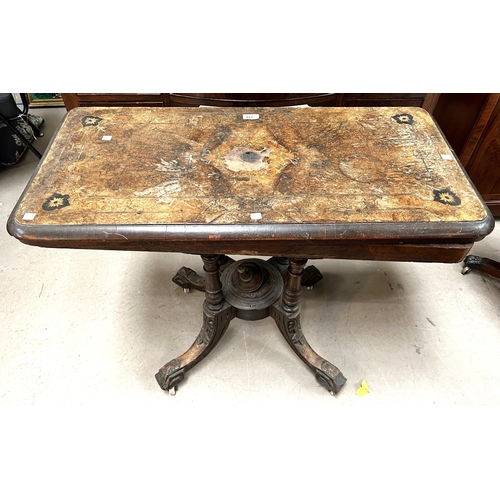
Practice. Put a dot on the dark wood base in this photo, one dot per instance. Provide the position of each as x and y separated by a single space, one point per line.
250 289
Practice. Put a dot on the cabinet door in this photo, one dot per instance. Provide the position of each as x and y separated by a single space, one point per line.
483 166
78 100
426 101
235 100
460 117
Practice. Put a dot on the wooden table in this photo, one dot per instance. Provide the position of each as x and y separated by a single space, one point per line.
292 183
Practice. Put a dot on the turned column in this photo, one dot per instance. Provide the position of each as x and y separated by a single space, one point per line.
293 285
214 299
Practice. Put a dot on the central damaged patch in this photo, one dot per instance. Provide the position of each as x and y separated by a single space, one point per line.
242 159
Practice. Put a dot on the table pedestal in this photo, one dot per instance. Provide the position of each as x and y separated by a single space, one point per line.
250 289
188 279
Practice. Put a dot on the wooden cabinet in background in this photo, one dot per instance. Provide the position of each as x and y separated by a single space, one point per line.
89 100
258 100
471 123
426 101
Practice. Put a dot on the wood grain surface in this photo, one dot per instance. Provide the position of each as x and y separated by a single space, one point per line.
122 166
345 183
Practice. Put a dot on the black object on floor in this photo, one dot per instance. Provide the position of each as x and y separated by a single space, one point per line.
18 129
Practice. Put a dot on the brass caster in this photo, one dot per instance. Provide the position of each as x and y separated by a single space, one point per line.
466 270
172 391
187 290
310 287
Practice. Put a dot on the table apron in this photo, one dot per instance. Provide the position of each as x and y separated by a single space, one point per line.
395 251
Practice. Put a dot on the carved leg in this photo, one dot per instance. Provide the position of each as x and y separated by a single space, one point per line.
217 315
483 264
187 278
214 327
286 313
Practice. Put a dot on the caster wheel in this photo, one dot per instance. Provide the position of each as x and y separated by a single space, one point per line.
187 290
172 391
466 270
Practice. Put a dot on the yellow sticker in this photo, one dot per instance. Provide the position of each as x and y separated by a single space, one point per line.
363 389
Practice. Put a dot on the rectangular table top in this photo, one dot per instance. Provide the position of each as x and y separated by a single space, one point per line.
187 174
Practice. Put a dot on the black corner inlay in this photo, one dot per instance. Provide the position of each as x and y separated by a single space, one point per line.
91 121
404 118
56 201
446 197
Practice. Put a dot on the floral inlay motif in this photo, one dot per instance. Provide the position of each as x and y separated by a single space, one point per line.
91 121
56 201
404 118
446 197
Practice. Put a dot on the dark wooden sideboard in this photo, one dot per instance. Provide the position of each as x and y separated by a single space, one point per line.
426 101
471 123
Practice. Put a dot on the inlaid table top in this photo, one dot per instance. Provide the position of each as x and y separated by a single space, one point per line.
128 177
